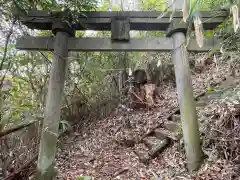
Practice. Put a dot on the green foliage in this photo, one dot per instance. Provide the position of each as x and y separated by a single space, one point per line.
84 178
210 5
95 67
180 132
153 5
51 5
20 98
24 6
106 5
45 33
64 125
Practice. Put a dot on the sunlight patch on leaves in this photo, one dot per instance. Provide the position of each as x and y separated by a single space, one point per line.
235 14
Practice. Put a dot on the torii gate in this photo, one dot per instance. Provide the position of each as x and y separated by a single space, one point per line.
120 23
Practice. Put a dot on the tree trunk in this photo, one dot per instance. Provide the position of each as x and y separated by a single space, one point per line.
187 103
48 143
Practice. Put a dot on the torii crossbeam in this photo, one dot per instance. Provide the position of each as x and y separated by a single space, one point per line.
110 21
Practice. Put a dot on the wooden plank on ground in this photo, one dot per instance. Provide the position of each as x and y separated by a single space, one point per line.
105 44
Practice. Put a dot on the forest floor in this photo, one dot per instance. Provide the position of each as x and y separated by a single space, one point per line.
92 150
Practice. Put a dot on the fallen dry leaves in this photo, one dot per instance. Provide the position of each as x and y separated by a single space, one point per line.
95 152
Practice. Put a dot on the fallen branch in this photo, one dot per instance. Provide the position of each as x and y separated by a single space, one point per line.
120 172
16 128
21 126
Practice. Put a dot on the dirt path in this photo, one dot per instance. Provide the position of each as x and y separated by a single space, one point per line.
92 150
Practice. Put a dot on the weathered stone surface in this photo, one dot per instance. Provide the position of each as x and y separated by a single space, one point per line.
105 44
120 29
163 133
143 156
176 117
160 145
171 126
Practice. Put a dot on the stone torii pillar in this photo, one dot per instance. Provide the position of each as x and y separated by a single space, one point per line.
188 111
48 143
187 104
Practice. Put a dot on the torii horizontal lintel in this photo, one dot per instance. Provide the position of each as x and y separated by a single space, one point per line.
106 44
131 14
139 20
